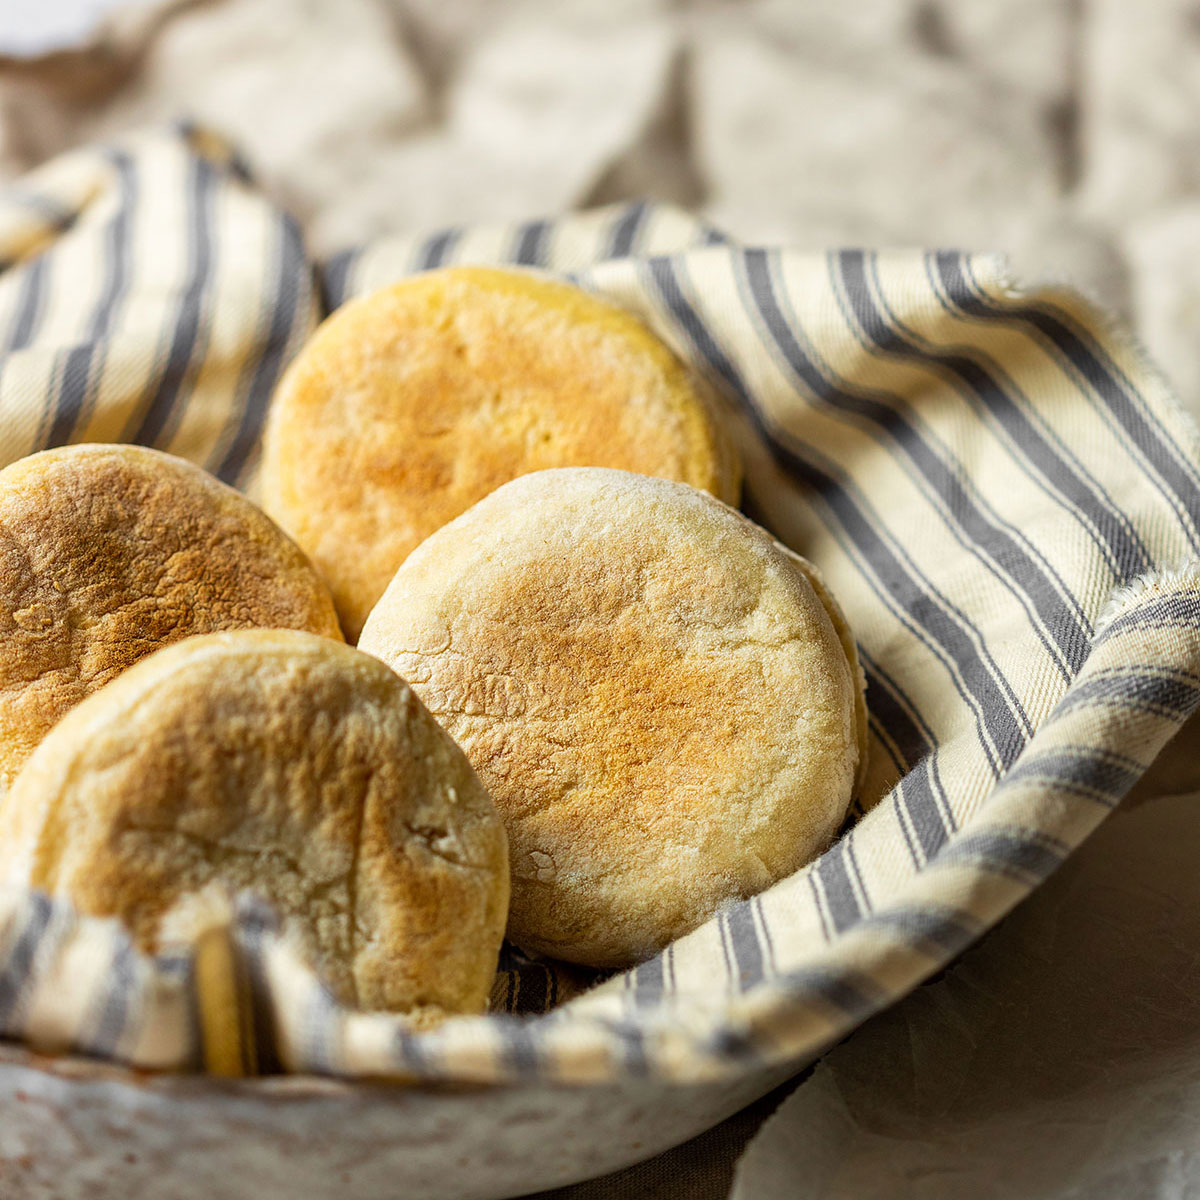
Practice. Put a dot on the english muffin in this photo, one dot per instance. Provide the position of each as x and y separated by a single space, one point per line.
665 711
409 405
290 766
108 552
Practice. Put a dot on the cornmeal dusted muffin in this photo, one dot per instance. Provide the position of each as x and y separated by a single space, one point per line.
108 552
665 709
408 406
291 766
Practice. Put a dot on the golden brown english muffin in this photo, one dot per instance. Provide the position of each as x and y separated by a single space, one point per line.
291 766
108 552
408 406
666 712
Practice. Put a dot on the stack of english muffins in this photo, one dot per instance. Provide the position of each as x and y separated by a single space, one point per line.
589 704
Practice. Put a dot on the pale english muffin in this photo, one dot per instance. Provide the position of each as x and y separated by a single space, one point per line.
291 766
108 552
666 712
411 404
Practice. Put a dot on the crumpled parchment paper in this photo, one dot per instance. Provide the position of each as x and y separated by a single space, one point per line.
1062 131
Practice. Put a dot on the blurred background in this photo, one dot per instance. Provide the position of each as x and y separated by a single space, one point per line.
1061 131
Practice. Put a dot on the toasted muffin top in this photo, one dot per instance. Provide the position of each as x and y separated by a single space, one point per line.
287 765
666 712
409 405
108 552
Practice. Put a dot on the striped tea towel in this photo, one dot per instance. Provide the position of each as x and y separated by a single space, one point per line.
1000 490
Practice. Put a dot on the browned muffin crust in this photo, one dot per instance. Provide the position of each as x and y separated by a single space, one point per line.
665 709
290 766
108 552
409 405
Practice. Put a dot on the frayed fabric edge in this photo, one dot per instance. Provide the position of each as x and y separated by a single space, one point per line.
1113 324
1137 590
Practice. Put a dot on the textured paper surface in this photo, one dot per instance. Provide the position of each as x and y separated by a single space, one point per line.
1058 1060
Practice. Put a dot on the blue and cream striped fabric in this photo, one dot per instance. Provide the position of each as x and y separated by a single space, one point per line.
999 489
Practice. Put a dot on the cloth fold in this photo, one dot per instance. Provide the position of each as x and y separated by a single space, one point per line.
981 474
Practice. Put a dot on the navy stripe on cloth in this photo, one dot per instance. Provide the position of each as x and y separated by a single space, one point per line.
187 326
284 298
923 809
531 244
436 250
941 626
320 1018
1139 688
942 932
819 904
771 967
77 365
1046 459
896 715
1025 856
646 980
832 870
1088 772
18 961
335 279
745 945
30 305
846 990
930 822
521 1049
103 1039
1171 610
623 240
411 1052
